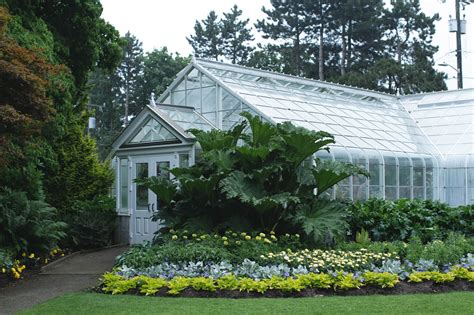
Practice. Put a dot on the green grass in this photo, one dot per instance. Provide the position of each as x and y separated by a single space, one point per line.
93 303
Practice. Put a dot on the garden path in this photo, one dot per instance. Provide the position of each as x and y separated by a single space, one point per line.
76 273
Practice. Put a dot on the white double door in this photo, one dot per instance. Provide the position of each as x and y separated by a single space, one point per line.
145 202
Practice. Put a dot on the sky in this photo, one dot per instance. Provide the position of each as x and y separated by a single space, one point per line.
158 23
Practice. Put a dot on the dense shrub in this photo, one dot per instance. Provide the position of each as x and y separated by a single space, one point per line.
402 219
28 225
92 223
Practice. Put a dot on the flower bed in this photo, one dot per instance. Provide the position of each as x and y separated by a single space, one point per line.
257 264
311 283
12 269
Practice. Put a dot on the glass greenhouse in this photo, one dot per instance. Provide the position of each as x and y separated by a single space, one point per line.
416 146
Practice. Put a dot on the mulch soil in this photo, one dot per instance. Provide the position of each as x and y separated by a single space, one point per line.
400 288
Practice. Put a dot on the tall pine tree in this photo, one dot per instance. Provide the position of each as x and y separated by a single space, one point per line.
207 38
288 23
235 35
128 72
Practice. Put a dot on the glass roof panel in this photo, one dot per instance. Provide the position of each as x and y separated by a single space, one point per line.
352 112
152 131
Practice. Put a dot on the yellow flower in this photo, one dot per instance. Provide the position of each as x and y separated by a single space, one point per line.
267 241
172 231
272 233
258 238
248 238
297 235
234 234
262 235
224 238
226 243
273 237
237 242
203 237
185 237
174 237
32 255
46 260
194 235
243 233
23 255
4 270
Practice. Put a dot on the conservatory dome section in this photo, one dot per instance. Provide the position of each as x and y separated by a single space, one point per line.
358 118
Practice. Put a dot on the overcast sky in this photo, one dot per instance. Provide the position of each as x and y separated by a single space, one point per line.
160 23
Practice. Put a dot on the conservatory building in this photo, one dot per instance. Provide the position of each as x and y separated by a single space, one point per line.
415 146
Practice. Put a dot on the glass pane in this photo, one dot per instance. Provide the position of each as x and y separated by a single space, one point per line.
229 102
178 97
374 170
163 169
209 99
391 193
193 80
417 172
153 131
184 160
123 185
142 191
390 171
193 99
404 171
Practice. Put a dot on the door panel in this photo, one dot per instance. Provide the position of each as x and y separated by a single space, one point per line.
145 202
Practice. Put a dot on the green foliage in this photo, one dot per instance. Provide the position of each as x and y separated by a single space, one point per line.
362 237
383 280
92 223
152 285
181 246
28 225
435 276
399 220
346 281
269 178
227 37
116 284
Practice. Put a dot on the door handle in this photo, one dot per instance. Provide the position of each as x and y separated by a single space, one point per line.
148 207
152 207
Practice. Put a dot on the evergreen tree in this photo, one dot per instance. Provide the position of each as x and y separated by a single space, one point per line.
128 72
235 35
159 70
409 33
288 22
207 39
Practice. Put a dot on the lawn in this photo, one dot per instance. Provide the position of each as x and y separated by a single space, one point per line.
93 303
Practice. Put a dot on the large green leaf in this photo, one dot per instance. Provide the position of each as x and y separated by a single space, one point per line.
218 139
302 143
164 188
262 132
327 173
321 220
238 185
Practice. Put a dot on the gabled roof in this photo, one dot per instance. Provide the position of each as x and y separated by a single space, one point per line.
150 112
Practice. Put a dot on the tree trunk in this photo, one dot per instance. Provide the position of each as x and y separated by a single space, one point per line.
343 54
349 46
321 52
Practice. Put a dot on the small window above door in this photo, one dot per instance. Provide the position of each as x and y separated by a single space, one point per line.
152 131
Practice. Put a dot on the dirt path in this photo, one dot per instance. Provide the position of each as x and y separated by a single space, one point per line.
73 274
